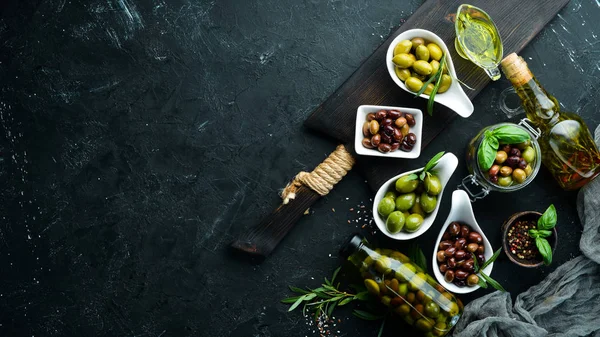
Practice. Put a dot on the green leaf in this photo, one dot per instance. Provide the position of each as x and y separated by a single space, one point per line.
548 219
416 255
346 301
362 296
491 259
545 250
381 329
335 273
422 175
475 263
486 154
298 290
492 282
297 303
509 134
438 82
330 309
327 282
290 299
309 297
412 177
433 161
534 233
431 79
366 315
539 233
482 283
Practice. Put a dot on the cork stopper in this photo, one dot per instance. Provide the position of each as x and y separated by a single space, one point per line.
516 70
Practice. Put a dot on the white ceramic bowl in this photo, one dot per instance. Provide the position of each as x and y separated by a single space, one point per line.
445 167
461 211
455 98
361 117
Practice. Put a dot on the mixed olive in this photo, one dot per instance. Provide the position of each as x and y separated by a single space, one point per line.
410 292
410 202
459 247
389 130
513 164
416 61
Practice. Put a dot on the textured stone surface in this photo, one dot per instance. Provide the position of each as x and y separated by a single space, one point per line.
140 136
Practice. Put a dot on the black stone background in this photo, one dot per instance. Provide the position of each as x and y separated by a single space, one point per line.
139 137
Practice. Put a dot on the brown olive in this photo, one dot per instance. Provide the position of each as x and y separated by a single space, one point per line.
385 138
469 265
397 134
383 147
394 146
366 142
454 228
522 164
446 236
394 114
519 175
451 263
449 276
460 243
472 247
445 244
410 119
460 254
370 116
461 274
388 130
374 127
501 157
365 129
475 237
400 122
505 171
443 268
441 257
506 148
472 280
480 250
494 170
376 140
387 121
380 115
464 231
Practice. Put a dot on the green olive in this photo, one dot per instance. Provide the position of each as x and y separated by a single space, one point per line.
403 47
382 264
405 272
413 84
417 41
424 324
404 202
390 194
519 175
395 222
501 157
419 76
417 281
445 83
432 310
429 89
428 202
433 185
402 289
386 206
417 209
504 181
403 309
435 52
385 300
372 286
528 154
435 66
528 170
413 222
422 53
524 145
422 67
406 184
440 328
402 74
403 61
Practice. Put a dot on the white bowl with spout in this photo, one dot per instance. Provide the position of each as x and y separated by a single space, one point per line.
461 211
444 169
455 98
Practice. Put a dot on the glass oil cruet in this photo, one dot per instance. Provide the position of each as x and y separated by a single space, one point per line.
478 40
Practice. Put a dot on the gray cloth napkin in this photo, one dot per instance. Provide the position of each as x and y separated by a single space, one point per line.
564 304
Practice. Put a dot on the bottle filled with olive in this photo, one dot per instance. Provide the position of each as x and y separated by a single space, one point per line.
404 287
416 61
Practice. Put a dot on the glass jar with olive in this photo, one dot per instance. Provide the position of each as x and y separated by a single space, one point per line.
404 287
512 165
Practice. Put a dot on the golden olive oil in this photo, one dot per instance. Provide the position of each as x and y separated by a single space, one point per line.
478 40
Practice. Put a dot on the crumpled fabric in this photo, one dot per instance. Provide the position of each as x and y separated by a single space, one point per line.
565 304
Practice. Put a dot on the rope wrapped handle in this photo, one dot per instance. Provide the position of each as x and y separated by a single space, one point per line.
323 177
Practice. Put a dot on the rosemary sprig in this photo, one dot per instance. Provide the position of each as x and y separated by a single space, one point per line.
437 77
484 280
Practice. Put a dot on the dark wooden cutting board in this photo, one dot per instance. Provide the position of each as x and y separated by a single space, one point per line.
518 22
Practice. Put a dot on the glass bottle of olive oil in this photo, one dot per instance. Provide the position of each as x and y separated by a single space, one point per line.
478 40
568 148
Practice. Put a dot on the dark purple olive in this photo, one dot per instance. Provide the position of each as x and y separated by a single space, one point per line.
450 251
380 115
443 268
387 122
475 237
461 274
494 179
411 138
480 259
464 231
454 228
522 164
460 254
445 244
460 283
388 130
394 114
469 265
512 161
449 276
441 257
404 146
395 146
514 152
385 138
451 263
446 236
460 243
384 148
376 140
480 250
397 135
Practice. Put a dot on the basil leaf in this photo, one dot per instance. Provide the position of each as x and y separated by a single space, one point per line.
544 247
534 233
548 219
491 259
509 134
539 233
486 153
433 161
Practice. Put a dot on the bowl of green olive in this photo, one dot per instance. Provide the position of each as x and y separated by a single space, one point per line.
413 60
406 205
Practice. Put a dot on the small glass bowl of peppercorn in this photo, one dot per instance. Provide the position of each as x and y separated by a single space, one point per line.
504 157
518 245
388 131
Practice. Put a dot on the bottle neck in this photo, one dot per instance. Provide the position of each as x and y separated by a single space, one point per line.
356 250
